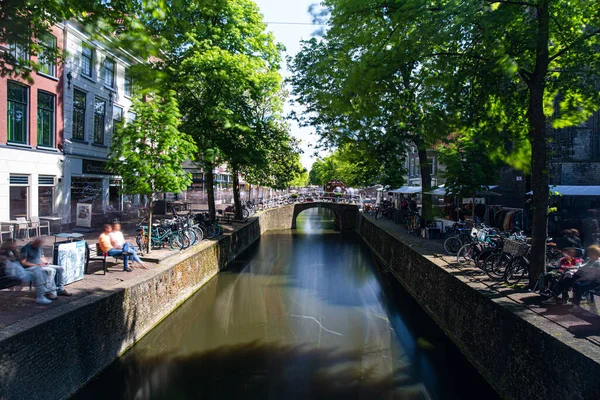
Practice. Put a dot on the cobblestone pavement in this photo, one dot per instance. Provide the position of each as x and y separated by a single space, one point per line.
582 322
18 303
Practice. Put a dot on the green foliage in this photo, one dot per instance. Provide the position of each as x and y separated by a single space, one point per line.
24 22
148 153
358 165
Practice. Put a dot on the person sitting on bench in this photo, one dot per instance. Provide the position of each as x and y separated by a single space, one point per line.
32 255
107 247
117 240
14 270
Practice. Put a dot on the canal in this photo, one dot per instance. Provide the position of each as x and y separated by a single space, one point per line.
303 314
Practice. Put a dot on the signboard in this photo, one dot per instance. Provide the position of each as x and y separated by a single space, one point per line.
84 215
71 256
478 200
94 167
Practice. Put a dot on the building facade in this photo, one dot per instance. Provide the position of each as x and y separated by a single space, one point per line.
413 176
97 96
31 132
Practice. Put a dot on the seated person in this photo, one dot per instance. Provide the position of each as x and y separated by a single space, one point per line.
107 247
585 278
32 255
117 240
14 270
565 268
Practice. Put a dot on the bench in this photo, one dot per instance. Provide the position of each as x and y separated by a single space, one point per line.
7 282
96 254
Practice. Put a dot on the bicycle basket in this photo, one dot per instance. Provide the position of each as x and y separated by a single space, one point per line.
516 248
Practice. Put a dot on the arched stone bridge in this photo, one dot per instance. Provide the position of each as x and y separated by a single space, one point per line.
345 215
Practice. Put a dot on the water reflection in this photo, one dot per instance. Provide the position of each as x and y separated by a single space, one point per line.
301 315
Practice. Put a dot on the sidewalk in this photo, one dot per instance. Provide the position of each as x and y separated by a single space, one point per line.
18 303
582 322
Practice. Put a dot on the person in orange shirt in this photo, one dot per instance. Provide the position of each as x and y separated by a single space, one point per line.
106 246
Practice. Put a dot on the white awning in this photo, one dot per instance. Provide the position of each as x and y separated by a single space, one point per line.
407 190
441 191
567 190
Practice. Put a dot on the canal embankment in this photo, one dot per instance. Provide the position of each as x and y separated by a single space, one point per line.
519 351
52 354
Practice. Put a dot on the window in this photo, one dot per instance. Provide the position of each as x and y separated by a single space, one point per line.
117 118
130 117
79 105
99 112
45 194
17 113
19 196
412 167
19 51
128 87
46 58
431 163
45 119
109 73
87 60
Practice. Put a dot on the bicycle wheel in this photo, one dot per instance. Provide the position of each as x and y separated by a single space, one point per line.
378 214
211 231
496 264
178 241
465 254
199 233
452 245
517 271
191 235
482 256
245 213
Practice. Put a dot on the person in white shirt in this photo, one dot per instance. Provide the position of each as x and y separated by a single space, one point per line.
118 242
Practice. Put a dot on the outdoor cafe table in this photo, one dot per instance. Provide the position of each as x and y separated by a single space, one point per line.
51 219
70 236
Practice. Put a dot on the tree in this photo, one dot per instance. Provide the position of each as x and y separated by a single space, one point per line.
535 60
300 179
23 23
367 81
224 67
148 153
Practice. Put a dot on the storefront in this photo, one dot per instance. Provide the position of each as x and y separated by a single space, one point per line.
90 182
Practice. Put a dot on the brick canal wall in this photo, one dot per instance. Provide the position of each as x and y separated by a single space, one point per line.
522 355
52 354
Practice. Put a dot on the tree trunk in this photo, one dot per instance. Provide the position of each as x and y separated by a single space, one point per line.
237 202
210 189
425 181
150 205
539 150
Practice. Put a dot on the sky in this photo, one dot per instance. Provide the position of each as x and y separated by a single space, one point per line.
295 11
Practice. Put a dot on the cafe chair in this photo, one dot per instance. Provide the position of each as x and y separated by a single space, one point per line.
6 230
38 225
22 225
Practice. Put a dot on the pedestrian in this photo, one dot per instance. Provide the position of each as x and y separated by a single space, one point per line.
32 255
590 229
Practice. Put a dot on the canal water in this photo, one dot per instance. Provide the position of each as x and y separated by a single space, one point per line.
303 314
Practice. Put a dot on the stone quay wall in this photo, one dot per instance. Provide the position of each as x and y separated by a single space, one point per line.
521 354
53 354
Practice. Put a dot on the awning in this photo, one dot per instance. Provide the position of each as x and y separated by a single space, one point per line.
407 190
567 190
441 191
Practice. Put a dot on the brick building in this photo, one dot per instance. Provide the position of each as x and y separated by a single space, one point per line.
31 131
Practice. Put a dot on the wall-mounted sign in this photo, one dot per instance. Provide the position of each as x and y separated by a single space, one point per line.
519 178
94 167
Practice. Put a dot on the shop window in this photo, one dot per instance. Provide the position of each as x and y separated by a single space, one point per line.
45 195
45 119
18 98
79 105
87 191
99 114
109 73
87 60
115 195
46 57
19 196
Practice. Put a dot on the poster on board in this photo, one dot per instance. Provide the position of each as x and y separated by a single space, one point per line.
71 256
84 215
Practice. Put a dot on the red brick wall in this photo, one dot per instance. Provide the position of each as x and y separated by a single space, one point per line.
40 82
